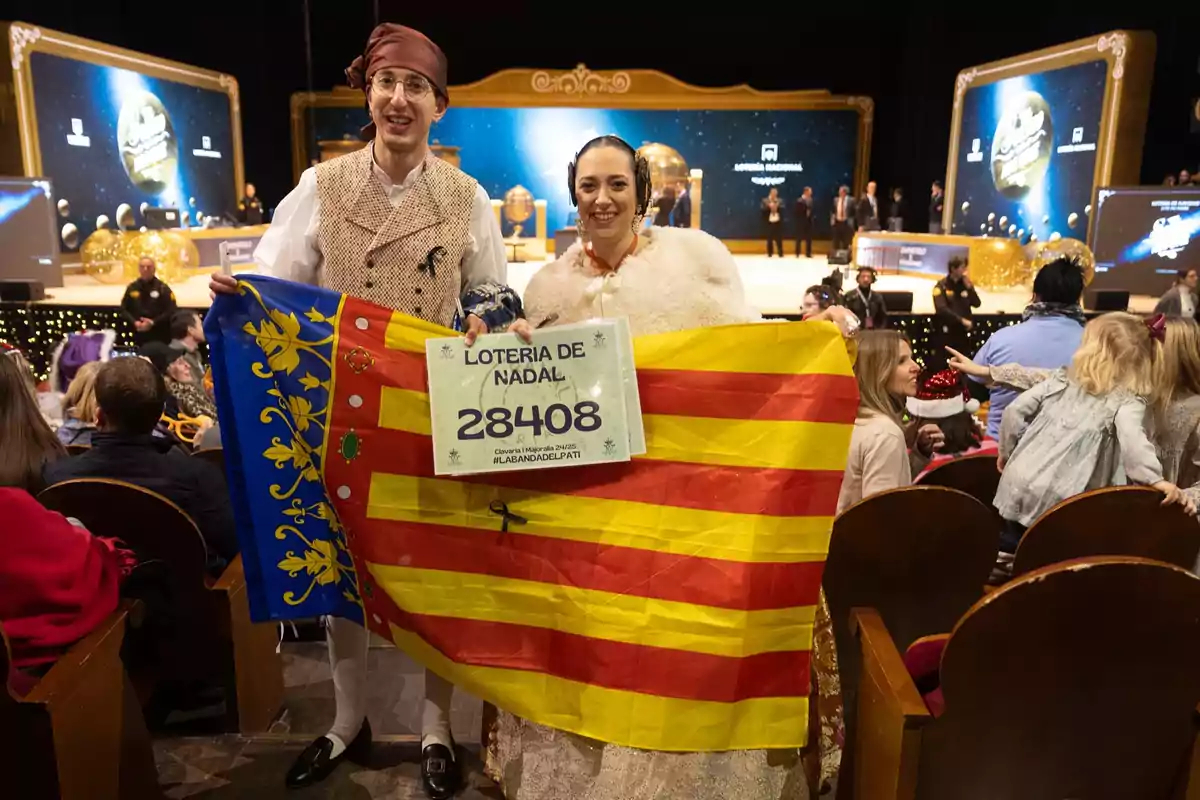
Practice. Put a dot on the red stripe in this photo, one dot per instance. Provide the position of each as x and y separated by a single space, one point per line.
738 395
403 369
638 668
739 585
707 487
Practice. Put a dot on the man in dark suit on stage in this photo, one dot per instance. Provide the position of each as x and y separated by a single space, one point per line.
937 202
867 213
681 217
804 222
841 219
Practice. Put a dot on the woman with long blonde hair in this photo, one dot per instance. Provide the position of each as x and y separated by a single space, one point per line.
879 456
1076 430
80 407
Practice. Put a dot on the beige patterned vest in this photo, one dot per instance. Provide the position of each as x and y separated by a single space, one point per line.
406 257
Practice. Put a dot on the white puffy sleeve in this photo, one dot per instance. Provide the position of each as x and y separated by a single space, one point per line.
289 249
485 260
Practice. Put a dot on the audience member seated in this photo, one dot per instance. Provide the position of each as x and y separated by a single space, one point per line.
1049 333
879 458
130 395
173 365
943 400
187 334
79 407
57 581
27 444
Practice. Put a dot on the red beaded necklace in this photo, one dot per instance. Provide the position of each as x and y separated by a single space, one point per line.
603 265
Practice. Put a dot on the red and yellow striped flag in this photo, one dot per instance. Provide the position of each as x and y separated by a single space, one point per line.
666 603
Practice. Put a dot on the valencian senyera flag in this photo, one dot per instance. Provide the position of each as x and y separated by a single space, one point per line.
665 603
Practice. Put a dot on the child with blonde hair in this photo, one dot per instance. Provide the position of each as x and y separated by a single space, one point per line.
1084 428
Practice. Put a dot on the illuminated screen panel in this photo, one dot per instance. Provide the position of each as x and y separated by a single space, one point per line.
742 154
1144 236
113 139
29 231
1027 151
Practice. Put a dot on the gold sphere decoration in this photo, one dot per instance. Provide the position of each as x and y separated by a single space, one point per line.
667 167
997 264
1039 254
518 207
172 252
101 256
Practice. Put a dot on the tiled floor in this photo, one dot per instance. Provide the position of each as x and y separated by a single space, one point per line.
227 767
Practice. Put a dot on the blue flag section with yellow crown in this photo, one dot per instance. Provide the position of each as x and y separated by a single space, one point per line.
272 349
665 603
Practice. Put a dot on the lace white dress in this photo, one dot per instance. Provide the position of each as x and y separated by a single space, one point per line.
675 280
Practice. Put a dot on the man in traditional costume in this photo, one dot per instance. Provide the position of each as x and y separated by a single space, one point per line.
394 225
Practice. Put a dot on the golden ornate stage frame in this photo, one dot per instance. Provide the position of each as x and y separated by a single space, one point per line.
1130 57
16 77
617 89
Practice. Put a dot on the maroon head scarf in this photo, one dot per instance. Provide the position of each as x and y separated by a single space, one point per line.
397 47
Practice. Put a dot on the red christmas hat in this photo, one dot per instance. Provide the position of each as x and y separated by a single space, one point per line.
940 395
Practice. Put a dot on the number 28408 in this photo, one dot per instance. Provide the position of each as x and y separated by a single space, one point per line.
500 423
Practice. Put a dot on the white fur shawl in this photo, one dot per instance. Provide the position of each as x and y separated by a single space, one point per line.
679 278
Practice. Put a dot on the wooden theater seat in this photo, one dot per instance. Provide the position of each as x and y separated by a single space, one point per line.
1079 680
77 733
919 555
1120 521
198 631
976 475
214 456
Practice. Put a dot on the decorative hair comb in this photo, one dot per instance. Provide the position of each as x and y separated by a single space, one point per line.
1157 327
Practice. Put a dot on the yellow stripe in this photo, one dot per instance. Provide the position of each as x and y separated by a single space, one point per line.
618 523
596 614
779 444
409 333
405 410
811 347
776 444
775 348
622 717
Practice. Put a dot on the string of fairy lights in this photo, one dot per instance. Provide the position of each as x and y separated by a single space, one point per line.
36 329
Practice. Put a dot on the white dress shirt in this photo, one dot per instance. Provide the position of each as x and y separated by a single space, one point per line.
289 249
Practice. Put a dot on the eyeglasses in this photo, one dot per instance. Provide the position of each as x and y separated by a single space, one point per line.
415 87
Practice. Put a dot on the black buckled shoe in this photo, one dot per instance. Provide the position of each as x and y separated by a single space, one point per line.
314 765
439 772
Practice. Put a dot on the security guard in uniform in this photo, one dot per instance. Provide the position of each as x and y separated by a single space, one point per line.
250 210
148 305
953 298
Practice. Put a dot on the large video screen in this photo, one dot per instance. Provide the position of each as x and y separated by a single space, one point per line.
742 153
114 141
1027 153
1144 236
29 231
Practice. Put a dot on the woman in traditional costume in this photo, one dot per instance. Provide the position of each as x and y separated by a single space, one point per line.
661 280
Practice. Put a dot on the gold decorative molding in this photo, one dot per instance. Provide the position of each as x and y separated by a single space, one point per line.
1130 58
866 104
962 82
1116 42
230 85
19 37
580 81
582 87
